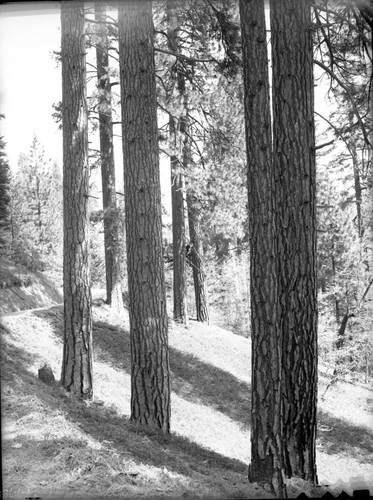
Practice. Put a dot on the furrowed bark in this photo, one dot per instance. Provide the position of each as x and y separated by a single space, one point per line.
294 157
266 444
109 201
177 130
150 378
196 260
77 353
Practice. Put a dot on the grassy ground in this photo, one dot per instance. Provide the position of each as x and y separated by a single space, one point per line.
55 446
22 289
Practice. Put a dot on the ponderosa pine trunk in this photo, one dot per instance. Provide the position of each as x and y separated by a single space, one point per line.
266 444
196 260
109 201
176 131
294 162
178 232
77 352
150 377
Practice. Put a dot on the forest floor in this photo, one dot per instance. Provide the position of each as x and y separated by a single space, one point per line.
54 446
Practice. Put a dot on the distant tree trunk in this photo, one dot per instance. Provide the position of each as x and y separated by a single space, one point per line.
77 353
196 260
342 329
178 233
266 444
357 180
150 377
294 162
177 185
111 218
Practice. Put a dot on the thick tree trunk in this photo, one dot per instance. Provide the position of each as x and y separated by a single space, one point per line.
196 260
266 444
111 217
178 184
150 377
77 354
294 157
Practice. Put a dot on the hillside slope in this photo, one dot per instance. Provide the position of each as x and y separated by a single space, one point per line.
22 289
53 445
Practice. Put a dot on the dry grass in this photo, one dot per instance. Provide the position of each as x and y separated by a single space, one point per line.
22 289
55 446
12 275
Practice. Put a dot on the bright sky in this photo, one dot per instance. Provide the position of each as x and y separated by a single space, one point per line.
30 81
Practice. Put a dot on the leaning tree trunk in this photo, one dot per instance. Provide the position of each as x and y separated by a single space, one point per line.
177 181
196 261
77 353
150 377
342 330
294 161
267 465
109 201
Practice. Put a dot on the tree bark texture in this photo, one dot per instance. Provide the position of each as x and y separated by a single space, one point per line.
176 132
294 157
150 378
77 353
196 260
178 232
266 445
111 220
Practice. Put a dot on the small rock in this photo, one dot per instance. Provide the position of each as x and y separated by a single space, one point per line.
46 375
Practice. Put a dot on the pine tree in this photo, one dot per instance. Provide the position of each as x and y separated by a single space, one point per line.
150 376
177 131
266 443
77 353
5 224
294 164
110 212
196 259
37 210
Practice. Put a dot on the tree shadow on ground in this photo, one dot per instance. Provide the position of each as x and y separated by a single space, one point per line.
144 446
192 379
336 436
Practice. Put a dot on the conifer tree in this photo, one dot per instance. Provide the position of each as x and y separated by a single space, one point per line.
295 198
177 132
267 465
37 210
5 224
150 376
110 217
77 353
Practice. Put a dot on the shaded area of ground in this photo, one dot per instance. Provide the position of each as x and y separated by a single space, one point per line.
192 379
92 448
31 401
336 436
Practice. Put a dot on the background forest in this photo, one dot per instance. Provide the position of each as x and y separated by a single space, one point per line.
205 231
217 180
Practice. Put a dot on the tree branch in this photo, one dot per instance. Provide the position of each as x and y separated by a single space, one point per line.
191 60
336 131
345 88
324 145
367 290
